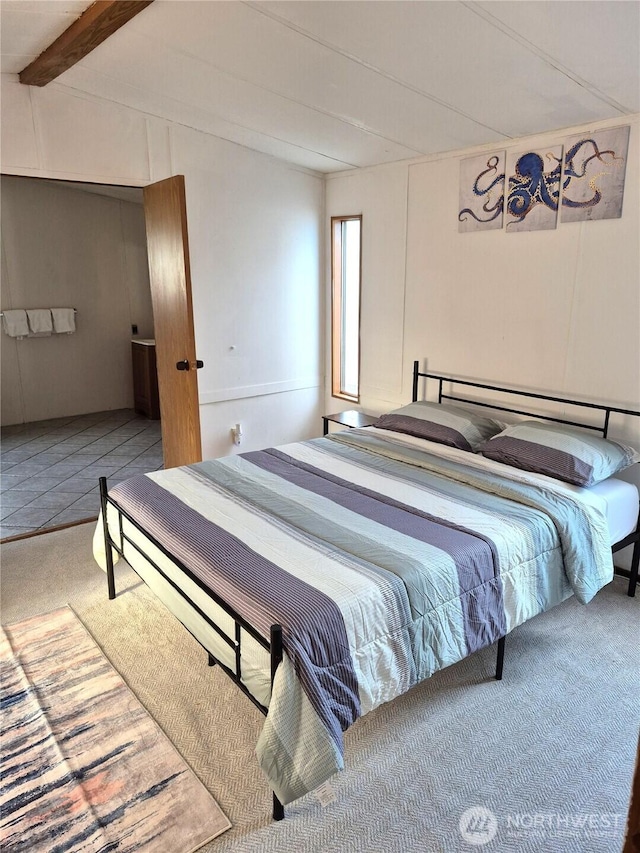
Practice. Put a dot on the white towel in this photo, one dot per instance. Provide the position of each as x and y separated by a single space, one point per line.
40 321
15 323
63 320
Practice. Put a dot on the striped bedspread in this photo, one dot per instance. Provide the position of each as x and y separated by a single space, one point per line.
384 559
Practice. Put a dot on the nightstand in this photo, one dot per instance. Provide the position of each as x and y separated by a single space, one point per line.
352 419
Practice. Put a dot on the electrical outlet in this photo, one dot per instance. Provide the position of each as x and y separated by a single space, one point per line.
134 328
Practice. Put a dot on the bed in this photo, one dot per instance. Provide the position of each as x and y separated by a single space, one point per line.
329 576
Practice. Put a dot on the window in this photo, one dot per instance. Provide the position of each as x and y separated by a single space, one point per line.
346 259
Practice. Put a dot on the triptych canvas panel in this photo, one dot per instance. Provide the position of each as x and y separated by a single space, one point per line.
529 190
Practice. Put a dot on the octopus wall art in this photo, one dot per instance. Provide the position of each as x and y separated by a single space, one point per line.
594 170
534 189
586 183
482 206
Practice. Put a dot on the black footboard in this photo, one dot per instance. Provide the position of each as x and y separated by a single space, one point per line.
273 645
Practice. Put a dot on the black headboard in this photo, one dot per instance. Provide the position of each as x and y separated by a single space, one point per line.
452 394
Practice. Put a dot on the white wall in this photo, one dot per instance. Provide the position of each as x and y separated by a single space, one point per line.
255 235
63 247
257 299
556 311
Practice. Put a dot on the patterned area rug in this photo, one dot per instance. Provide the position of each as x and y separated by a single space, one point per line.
84 766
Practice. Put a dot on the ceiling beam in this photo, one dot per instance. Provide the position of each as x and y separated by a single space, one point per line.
95 25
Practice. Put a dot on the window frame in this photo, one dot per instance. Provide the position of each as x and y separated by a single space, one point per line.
336 307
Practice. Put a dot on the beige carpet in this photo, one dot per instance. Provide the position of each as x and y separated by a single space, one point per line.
549 751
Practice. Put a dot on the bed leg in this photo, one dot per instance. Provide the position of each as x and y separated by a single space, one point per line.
278 809
111 583
500 659
633 575
275 650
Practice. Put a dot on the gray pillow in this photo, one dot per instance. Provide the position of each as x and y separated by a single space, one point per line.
450 425
566 453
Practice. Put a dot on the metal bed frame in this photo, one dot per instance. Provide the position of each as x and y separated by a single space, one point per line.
274 645
605 413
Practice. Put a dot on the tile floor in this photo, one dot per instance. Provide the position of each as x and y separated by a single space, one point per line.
50 469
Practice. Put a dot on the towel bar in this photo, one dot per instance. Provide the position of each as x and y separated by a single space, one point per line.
75 311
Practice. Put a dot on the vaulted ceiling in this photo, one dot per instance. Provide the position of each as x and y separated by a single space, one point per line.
335 84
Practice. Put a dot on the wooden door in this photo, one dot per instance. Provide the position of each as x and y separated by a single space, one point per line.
169 273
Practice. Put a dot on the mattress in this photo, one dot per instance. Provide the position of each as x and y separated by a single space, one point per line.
620 500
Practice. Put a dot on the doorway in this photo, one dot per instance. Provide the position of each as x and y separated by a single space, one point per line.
67 403
169 292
